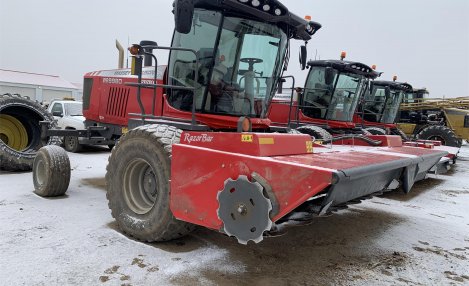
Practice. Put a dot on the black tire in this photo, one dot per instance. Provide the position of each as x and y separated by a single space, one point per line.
397 131
111 146
71 144
315 131
51 171
140 165
26 114
441 133
376 131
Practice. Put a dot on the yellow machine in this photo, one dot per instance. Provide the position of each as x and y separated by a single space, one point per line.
441 119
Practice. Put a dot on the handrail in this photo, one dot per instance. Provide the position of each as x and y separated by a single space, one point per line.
140 85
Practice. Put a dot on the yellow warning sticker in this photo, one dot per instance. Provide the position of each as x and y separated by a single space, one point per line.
309 146
247 138
266 141
125 130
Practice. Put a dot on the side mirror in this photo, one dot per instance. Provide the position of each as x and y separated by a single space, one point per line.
329 76
303 56
57 113
183 14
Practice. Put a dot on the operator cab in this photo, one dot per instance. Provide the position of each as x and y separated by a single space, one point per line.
236 70
229 57
415 95
410 116
382 102
333 89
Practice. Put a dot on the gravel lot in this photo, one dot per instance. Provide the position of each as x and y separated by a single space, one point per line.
396 239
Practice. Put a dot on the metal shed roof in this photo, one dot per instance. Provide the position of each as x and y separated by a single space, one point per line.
36 79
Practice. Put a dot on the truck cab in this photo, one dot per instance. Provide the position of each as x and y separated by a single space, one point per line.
69 114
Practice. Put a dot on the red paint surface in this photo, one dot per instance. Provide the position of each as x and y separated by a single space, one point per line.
279 110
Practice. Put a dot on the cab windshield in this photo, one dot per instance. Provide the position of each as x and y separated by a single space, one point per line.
335 101
240 61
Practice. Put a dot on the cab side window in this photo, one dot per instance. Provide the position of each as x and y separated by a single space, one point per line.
57 109
183 67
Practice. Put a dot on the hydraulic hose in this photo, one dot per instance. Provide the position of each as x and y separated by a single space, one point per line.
355 137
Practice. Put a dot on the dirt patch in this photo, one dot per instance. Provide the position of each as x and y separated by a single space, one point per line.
352 270
437 215
418 189
112 270
455 277
407 281
99 183
153 269
328 252
413 207
139 262
455 193
390 261
440 251
124 277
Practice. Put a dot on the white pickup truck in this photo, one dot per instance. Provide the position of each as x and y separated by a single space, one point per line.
69 115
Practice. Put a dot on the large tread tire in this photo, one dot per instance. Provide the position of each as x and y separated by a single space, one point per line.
315 131
71 144
144 155
28 113
441 133
376 130
51 171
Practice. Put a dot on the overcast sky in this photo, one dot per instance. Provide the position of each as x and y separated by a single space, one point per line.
423 42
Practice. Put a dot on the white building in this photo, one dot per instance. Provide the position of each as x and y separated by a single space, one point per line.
40 87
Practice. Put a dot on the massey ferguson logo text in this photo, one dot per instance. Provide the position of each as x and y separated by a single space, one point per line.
197 138
112 80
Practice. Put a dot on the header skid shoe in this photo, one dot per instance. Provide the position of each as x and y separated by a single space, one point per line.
244 210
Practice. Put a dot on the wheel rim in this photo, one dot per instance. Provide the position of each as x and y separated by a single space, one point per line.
40 172
437 138
13 133
69 142
140 186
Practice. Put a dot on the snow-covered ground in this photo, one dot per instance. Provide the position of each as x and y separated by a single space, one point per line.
396 239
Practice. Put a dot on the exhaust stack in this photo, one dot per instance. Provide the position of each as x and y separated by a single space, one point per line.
120 64
147 61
